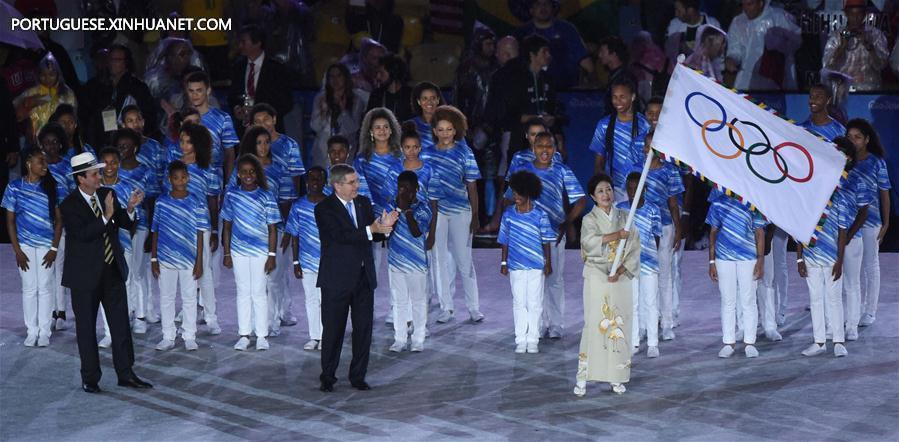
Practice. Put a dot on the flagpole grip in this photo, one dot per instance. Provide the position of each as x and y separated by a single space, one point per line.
630 215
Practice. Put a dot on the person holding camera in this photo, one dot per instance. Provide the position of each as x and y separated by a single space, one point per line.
857 50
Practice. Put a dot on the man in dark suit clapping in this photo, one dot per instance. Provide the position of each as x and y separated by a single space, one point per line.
347 273
95 270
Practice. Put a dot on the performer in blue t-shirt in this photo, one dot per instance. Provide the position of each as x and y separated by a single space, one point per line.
526 235
408 263
179 222
306 247
249 240
34 225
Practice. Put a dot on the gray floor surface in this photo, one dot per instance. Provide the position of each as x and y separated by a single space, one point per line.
467 384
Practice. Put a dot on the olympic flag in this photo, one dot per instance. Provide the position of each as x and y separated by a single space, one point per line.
786 172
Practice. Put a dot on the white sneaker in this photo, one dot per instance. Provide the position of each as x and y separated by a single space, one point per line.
30 340
398 347
140 326
105 342
445 316
580 389
521 348
310 345
165 344
190 345
814 349
476 316
289 320
618 388
652 352
242 344
417 347
318 345
726 351
773 335
839 350
533 348
667 334
751 351
43 341
61 324
261 343
866 321
852 334
214 328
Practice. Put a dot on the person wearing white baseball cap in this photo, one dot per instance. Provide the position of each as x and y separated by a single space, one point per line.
95 270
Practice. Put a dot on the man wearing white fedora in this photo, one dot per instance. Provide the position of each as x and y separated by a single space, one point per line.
95 270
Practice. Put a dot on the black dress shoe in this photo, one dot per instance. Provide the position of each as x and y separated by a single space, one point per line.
90 387
363 386
327 388
133 381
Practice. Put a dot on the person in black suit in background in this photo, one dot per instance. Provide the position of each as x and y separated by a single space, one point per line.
347 274
95 270
268 81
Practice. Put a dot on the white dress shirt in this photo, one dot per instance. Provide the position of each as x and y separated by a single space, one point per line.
257 69
344 202
87 198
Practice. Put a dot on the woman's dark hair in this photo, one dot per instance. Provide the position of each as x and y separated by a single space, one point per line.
176 166
126 133
409 131
253 160
407 176
536 122
48 183
655 100
598 178
178 120
846 146
68 109
622 81
248 142
108 150
333 108
865 127
55 129
454 116
396 68
526 184
202 142
421 87
366 139
128 109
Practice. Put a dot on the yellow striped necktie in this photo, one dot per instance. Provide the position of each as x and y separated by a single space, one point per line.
107 247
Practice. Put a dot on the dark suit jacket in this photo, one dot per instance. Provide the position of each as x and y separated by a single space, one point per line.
345 249
274 87
84 240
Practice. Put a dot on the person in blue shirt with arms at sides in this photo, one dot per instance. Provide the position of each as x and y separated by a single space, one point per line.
249 239
306 247
34 225
648 221
408 263
178 228
526 236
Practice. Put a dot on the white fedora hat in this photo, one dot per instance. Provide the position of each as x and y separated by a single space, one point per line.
85 161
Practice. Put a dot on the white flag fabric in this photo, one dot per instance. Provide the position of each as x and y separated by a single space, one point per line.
786 172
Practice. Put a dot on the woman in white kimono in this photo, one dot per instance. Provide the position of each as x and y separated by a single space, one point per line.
605 353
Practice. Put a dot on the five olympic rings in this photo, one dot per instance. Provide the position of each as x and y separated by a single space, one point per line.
739 142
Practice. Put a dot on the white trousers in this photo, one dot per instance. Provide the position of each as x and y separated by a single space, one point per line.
554 287
666 277
276 286
137 270
410 304
453 246
59 294
313 297
852 285
252 300
37 293
635 319
871 269
648 289
285 264
527 304
676 281
207 281
736 284
169 281
823 289
765 296
781 276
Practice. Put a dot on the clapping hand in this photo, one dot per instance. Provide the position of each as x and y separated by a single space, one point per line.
136 198
109 205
